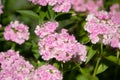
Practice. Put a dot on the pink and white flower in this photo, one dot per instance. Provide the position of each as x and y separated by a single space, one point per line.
16 32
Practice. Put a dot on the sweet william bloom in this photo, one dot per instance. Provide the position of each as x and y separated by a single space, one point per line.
115 17
115 8
104 27
16 32
46 29
81 53
60 46
115 13
14 67
63 7
58 5
47 72
96 25
40 2
89 6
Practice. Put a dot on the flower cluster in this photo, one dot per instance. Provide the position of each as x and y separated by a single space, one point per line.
89 6
14 67
46 29
115 8
60 46
1 6
16 32
103 28
47 72
58 5
115 13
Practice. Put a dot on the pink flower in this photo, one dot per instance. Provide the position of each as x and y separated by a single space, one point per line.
115 17
58 5
89 6
63 7
115 13
102 15
46 29
81 53
97 26
47 72
40 2
14 67
104 27
60 46
115 8
16 32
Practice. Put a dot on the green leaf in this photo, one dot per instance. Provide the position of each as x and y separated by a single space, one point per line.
90 53
86 71
81 77
113 59
85 39
13 5
42 16
51 12
83 71
28 13
40 63
86 77
56 65
35 50
102 67
63 16
36 53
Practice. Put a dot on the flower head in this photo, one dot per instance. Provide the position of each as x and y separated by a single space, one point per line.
16 32
47 72
46 29
104 27
61 46
58 5
89 6
14 67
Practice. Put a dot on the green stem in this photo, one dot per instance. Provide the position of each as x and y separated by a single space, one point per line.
118 55
116 70
80 68
13 46
62 66
96 67
42 14
98 60
51 13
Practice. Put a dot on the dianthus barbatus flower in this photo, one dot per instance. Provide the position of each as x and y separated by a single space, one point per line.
16 32
115 13
61 46
47 72
89 6
14 67
103 28
115 8
46 28
58 5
